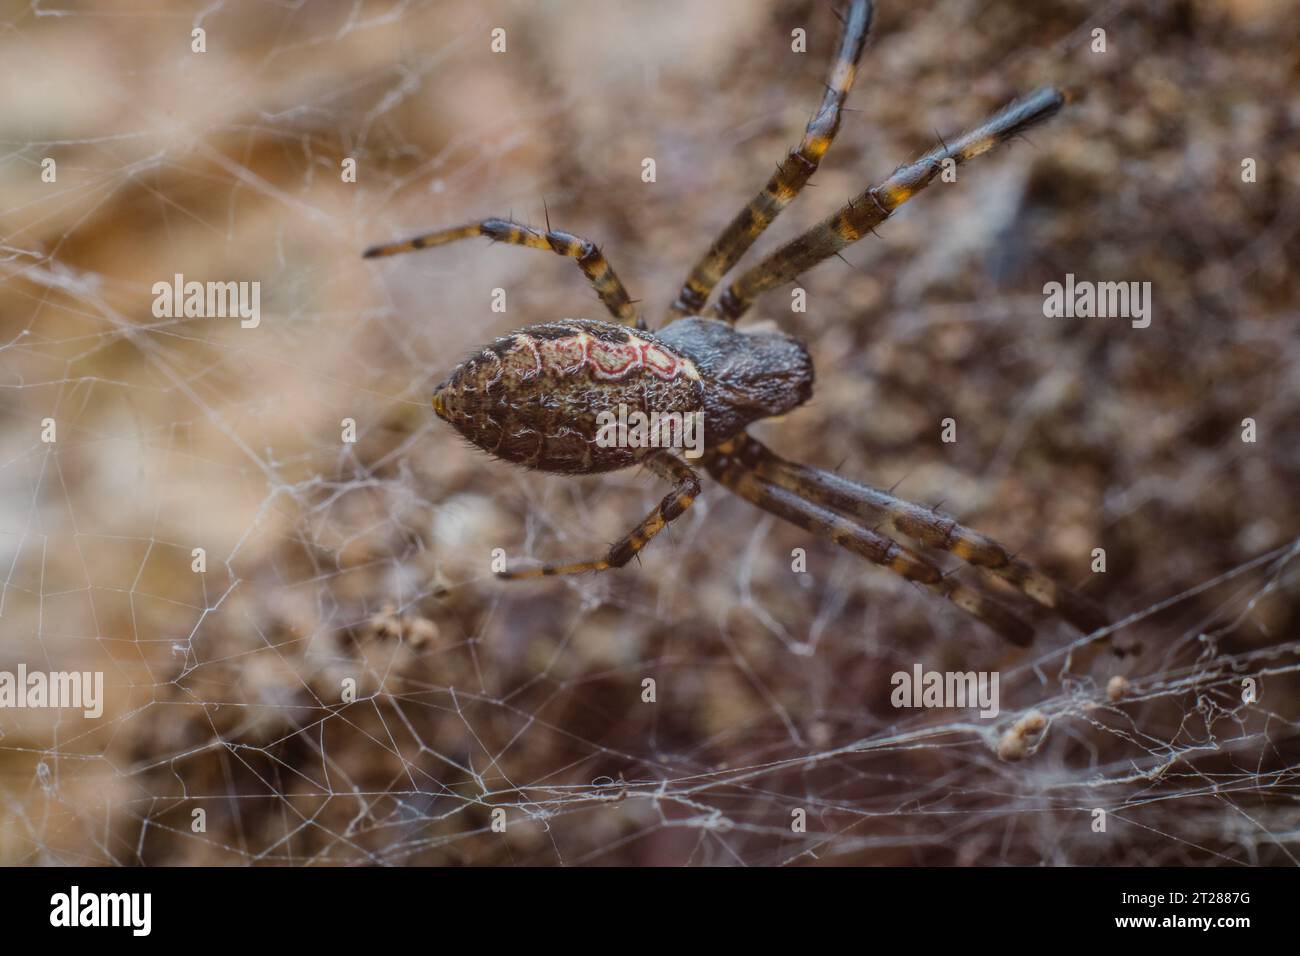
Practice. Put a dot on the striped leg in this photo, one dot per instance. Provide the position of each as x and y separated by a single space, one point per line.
683 495
925 525
791 176
590 259
728 466
873 206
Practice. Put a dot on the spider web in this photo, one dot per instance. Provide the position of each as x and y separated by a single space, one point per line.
332 564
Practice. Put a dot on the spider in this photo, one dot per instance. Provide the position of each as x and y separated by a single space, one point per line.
536 397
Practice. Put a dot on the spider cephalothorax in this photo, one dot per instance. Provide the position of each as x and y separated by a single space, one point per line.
543 397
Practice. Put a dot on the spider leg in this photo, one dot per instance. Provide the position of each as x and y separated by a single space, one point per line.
928 526
686 490
590 259
728 465
791 175
873 206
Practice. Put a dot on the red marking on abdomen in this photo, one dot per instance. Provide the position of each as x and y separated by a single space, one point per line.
613 361
660 362
570 354
608 361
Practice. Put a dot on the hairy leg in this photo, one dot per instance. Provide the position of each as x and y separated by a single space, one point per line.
791 175
925 525
686 490
873 206
590 259
728 466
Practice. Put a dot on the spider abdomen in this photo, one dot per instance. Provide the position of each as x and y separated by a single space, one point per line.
536 397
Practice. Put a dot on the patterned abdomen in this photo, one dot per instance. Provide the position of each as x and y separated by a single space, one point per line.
535 397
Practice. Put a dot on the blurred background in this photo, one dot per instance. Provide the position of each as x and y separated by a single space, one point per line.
329 561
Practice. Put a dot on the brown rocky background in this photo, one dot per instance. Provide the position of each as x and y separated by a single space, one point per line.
368 562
